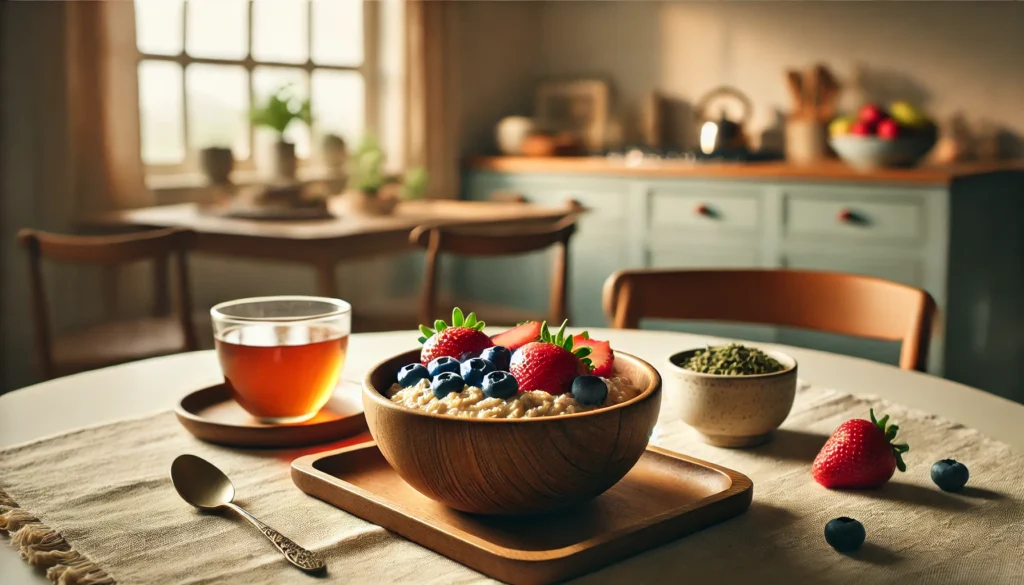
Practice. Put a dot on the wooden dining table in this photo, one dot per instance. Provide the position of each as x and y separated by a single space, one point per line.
321 243
155 385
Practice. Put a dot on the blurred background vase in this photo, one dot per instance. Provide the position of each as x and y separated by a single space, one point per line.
284 163
335 153
217 163
511 132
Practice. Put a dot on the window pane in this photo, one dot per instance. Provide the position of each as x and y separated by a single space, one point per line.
218 106
338 104
279 31
266 81
158 26
338 32
163 140
217 28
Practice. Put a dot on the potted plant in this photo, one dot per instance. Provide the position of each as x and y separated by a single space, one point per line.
279 111
373 191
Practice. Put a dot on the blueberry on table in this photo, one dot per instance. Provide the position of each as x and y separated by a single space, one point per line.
443 364
474 370
589 390
950 475
499 356
844 534
445 383
411 375
500 385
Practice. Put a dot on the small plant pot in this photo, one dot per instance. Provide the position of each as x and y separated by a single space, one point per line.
217 163
362 203
284 161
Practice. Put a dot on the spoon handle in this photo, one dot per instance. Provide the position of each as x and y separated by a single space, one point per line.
304 559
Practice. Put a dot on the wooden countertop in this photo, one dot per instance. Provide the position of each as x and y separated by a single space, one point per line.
824 172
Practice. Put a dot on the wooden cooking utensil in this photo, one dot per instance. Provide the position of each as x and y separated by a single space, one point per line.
796 90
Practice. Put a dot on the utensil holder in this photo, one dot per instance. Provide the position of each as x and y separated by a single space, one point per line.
806 141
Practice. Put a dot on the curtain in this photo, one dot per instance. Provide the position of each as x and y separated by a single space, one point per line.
103 107
431 133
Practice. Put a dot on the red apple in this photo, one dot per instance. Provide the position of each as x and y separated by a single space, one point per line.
889 129
871 113
862 128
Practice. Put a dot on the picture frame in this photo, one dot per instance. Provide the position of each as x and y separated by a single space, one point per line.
578 106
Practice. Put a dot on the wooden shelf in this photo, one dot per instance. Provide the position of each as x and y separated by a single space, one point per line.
824 172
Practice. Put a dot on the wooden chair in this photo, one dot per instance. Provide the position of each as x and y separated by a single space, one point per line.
847 304
505 241
116 341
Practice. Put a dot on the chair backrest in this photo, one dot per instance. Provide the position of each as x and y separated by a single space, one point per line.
162 246
848 304
506 240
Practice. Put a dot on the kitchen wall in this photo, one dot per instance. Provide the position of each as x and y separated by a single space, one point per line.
950 56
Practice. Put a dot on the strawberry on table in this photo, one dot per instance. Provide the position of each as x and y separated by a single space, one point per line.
860 454
464 336
519 335
550 364
602 361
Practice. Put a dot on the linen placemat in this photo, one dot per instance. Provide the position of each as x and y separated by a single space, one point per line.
96 506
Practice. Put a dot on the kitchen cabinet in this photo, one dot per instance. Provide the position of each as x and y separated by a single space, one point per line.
900 230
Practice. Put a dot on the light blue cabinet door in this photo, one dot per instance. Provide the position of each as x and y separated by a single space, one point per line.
905 269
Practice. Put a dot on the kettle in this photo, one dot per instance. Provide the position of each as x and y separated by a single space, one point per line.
722 134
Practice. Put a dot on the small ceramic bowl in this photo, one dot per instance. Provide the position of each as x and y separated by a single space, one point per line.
507 467
731 411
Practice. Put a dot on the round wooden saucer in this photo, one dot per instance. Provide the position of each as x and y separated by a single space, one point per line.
211 414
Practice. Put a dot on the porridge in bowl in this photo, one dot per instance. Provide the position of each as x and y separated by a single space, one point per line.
526 372
472 402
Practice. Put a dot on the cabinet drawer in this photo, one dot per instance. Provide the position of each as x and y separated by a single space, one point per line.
867 218
689 256
905 270
706 210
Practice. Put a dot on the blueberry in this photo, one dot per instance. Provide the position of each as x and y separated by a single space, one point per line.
445 383
411 375
589 390
844 534
443 364
950 475
466 356
500 385
499 356
474 370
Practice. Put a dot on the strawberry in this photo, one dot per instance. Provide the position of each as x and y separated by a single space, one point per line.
860 454
550 364
464 336
601 359
519 335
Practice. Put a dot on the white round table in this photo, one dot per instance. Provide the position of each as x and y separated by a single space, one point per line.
155 385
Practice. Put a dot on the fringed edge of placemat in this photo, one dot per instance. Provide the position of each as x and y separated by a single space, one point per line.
42 547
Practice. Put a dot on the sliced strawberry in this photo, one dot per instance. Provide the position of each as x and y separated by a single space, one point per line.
464 336
601 358
550 364
519 335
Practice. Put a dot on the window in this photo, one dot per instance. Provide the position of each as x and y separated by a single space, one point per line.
204 63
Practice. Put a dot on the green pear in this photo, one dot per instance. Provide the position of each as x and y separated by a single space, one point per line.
906 114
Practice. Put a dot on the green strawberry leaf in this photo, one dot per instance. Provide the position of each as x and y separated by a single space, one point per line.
423 340
873 419
891 433
440 325
582 352
471 320
585 335
426 331
882 421
588 363
545 335
457 319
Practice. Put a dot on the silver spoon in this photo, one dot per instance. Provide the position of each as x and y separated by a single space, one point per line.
203 485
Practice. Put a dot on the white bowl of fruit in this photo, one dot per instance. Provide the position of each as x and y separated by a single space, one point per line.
879 138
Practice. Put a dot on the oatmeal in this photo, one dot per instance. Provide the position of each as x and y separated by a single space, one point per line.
471 402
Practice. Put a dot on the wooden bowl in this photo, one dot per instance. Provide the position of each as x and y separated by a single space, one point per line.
520 466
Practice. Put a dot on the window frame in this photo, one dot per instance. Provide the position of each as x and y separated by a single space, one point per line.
368 69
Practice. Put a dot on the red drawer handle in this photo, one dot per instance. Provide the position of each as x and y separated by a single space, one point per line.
847 216
702 209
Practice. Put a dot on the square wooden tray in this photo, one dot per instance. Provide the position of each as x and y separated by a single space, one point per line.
665 496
